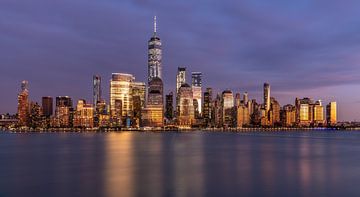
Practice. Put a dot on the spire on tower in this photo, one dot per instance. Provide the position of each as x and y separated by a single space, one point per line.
155 25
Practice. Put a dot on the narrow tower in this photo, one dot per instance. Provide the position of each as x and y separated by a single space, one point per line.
154 55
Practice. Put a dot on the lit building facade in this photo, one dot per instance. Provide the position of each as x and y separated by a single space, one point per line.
186 108
154 55
197 92
207 109
266 97
23 105
318 113
153 114
288 115
331 113
84 115
120 91
169 107
96 89
227 106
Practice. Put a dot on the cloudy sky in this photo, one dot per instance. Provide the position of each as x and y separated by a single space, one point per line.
302 48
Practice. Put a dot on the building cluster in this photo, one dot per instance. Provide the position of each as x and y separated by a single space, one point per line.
135 104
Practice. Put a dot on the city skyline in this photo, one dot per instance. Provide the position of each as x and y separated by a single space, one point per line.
54 83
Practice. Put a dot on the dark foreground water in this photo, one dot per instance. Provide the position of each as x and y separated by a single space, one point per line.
180 164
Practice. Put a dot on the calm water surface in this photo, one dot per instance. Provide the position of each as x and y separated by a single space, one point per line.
180 164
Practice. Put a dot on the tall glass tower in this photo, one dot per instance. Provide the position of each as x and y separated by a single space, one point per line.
154 56
96 89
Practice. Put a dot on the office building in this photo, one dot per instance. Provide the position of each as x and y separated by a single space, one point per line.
84 115
96 89
197 93
47 106
227 106
331 114
207 109
153 114
154 55
186 108
23 105
169 107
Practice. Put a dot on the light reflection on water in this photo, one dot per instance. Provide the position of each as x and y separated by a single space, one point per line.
180 164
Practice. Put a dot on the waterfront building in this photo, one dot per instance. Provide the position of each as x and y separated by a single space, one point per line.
153 114
63 101
274 112
197 93
84 115
304 111
318 113
227 106
47 106
35 116
267 97
62 117
331 114
23 105
242 116
207 109
169 109
185 105
154 55
120 91
96 89
218 112
139 89
180 78
288 115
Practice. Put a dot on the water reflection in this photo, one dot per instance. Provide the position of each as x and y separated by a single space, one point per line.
178 164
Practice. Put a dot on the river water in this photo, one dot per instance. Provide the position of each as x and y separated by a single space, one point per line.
296 163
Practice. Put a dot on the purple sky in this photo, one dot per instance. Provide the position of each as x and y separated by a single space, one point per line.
302 48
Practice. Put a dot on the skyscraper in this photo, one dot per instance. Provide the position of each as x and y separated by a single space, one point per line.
23 104
153 114
197 92
207 109
266 97
331 113
154 55
186 107
120 91
84 115
180 78
63 111
169 107
96 89
227 108
47 106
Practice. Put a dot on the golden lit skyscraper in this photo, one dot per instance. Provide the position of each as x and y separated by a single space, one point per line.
120 90
23 104
186 107
197 91
318 113
227 106
331 113
153 114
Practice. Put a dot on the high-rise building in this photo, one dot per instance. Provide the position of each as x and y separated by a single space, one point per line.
331 113
63 112
84 115
318 113
197 92
304 111
246 99
120 91
139 89
169 107
47 106
274 112
242 117
96 89
237 99
185 105
64 101
207 109
153 114
154 55
266 97
288 115
23 104
227 106
35 116
180 78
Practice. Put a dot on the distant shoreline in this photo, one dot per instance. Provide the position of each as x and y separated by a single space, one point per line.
284 129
